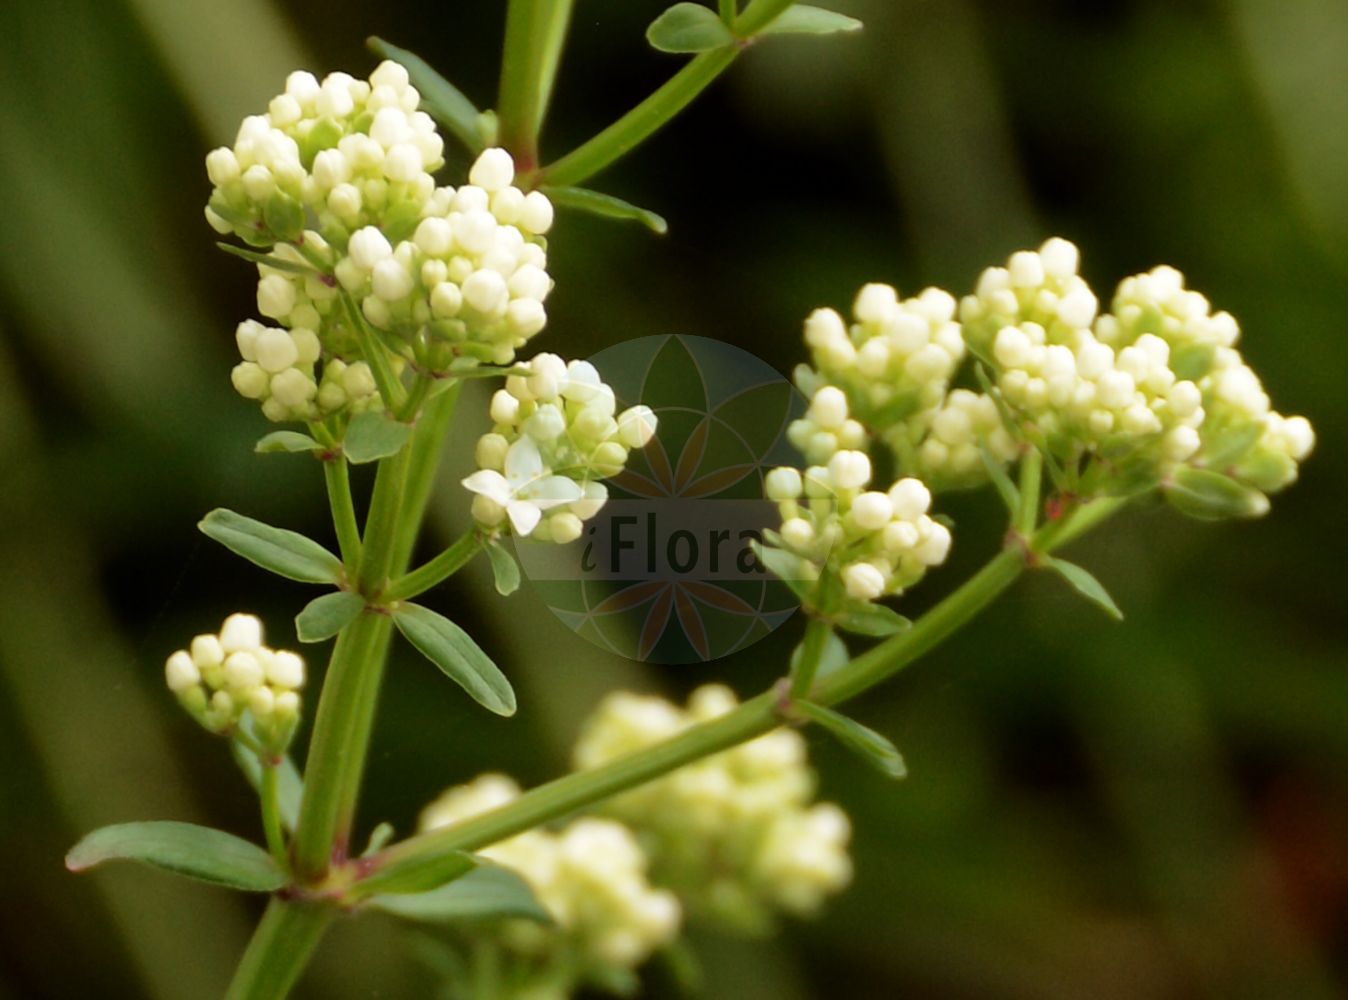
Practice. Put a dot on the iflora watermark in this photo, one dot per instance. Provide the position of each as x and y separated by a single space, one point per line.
666 572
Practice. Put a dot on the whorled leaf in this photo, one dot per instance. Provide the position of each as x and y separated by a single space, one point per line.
456 654
283 552
198 852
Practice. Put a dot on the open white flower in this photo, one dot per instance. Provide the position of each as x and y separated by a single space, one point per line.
527 487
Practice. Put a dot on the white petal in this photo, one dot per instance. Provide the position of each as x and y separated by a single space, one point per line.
524 516
523 463
553 490
490 484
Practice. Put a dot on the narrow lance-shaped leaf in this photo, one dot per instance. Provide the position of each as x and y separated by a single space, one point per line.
442 100
786 566
183 848
487 892
285 441
1084 584
266 260
803 19
866 743
877 620
1211 496
997 473
606 206
371 436
688 27
460 658
325 616
420 874
285 553
504 569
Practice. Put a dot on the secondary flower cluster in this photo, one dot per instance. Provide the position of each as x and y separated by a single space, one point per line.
1158 381
591 878
221 676
736 835
556 432
367 253
877 543
350 152
890 367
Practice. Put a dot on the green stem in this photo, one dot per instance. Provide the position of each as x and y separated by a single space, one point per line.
391 389
1031 476
382 523
435 572
727 10
423 460
753 718
271 815
279 950
337 751
337 476
638 124
811 651
534 36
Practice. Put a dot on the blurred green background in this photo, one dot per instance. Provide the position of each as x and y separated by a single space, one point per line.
1152 810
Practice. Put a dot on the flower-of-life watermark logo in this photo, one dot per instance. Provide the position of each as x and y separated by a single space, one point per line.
666 572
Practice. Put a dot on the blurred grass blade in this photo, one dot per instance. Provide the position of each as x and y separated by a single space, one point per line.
198 852
460 658
285 553
443 101
605 206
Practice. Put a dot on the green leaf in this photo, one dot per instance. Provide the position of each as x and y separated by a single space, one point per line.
183 848
325 616
487 892
285 553
833 657
1085 584
266 259
379 837
289 784
1232 442
461 659
504 569
688 27
285 441
786 566
372 436
284 216
802 19
863 618
605 205
997 473
866 743
420 874
1211 496
442 100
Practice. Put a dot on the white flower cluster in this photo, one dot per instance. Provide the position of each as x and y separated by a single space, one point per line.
1241 434
555 434
877 543
336 180
1159 377
222 676
893 365
966 424
472 272
278 369
352 152
736 835
590 876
